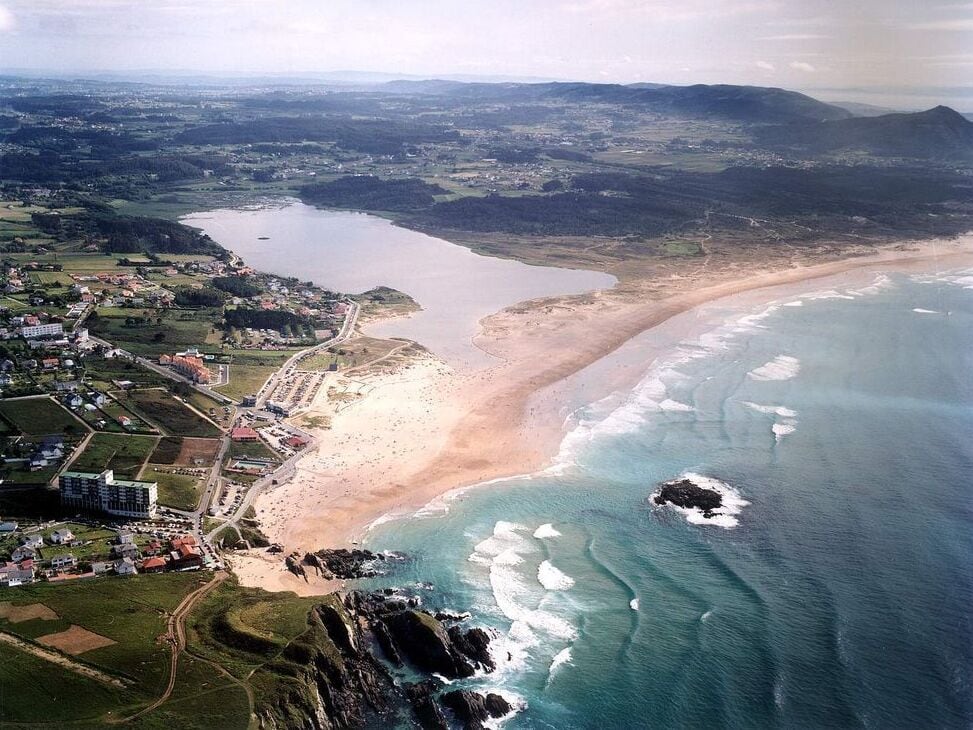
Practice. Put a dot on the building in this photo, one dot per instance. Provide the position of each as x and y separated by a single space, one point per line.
102 567
33 541
23 552
243 434
153 565
189 365
61 536
103 493
15 575
63 562
125 566
54 329
124 550
249 401
185 553
296 442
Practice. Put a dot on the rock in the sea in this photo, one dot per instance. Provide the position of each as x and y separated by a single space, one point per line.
424 705
475 644
684 493
473 709
425 642
345 564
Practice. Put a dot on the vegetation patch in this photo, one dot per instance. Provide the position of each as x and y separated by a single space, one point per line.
40 417
123 454
75 640
159 407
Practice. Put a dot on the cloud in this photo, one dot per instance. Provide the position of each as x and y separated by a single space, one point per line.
953 24
796 37
7 20
802 66
765 65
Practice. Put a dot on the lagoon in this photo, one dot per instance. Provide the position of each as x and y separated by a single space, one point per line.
354 252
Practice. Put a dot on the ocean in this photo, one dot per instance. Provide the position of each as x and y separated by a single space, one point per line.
834 589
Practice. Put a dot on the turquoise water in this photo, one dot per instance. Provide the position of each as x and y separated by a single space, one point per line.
835 593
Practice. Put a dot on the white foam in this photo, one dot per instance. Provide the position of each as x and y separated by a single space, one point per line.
706 616
781 411
634 604
782 367
673 405
546 531
920 310
723 516
553 579
795 303
561 658
782 429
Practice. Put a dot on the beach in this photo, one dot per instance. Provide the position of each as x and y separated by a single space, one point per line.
400 437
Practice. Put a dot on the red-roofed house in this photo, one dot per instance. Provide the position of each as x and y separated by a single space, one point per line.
244 433
153 565
296 442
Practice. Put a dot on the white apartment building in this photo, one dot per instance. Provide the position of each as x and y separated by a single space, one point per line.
103 493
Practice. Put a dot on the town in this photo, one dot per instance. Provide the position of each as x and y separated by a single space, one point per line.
144 398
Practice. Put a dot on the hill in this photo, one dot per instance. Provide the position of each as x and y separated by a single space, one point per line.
751 104
938 133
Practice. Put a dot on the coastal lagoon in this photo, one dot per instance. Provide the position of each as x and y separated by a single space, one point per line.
354 252
833 590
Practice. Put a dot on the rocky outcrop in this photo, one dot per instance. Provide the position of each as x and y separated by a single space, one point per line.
472 709
325 681
329 676
424 706
686 494
344 564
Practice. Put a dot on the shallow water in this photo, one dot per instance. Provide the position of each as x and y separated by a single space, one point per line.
355 252
836 593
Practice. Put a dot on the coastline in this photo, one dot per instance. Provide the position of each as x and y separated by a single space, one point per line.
402 438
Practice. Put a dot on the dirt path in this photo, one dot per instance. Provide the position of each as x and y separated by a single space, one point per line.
176 636
60 659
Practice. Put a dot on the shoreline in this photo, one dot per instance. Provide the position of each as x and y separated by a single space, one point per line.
409 437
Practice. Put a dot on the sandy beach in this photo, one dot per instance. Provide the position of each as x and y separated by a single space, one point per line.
406 433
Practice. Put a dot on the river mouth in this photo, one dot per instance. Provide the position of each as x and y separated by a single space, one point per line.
354 252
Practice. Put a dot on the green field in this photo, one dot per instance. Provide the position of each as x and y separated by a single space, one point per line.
131 611
175 490
125 455
102 371
171 415
160 331
40 417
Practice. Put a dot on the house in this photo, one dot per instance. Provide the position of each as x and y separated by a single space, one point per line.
125 566
23 552
102 567
73 400
15 575
153 548
124 550
185 554
153 565
33 541
63 562
186 557
296 442
61 536
50 363
8 527
244 434
125 538
125 421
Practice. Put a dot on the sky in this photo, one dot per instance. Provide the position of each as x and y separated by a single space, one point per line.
832 45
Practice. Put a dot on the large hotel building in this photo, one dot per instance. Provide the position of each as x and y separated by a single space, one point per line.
103 493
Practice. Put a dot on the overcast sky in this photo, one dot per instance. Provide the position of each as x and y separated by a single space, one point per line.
806 44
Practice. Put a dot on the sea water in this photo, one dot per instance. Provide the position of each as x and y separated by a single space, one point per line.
834 589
